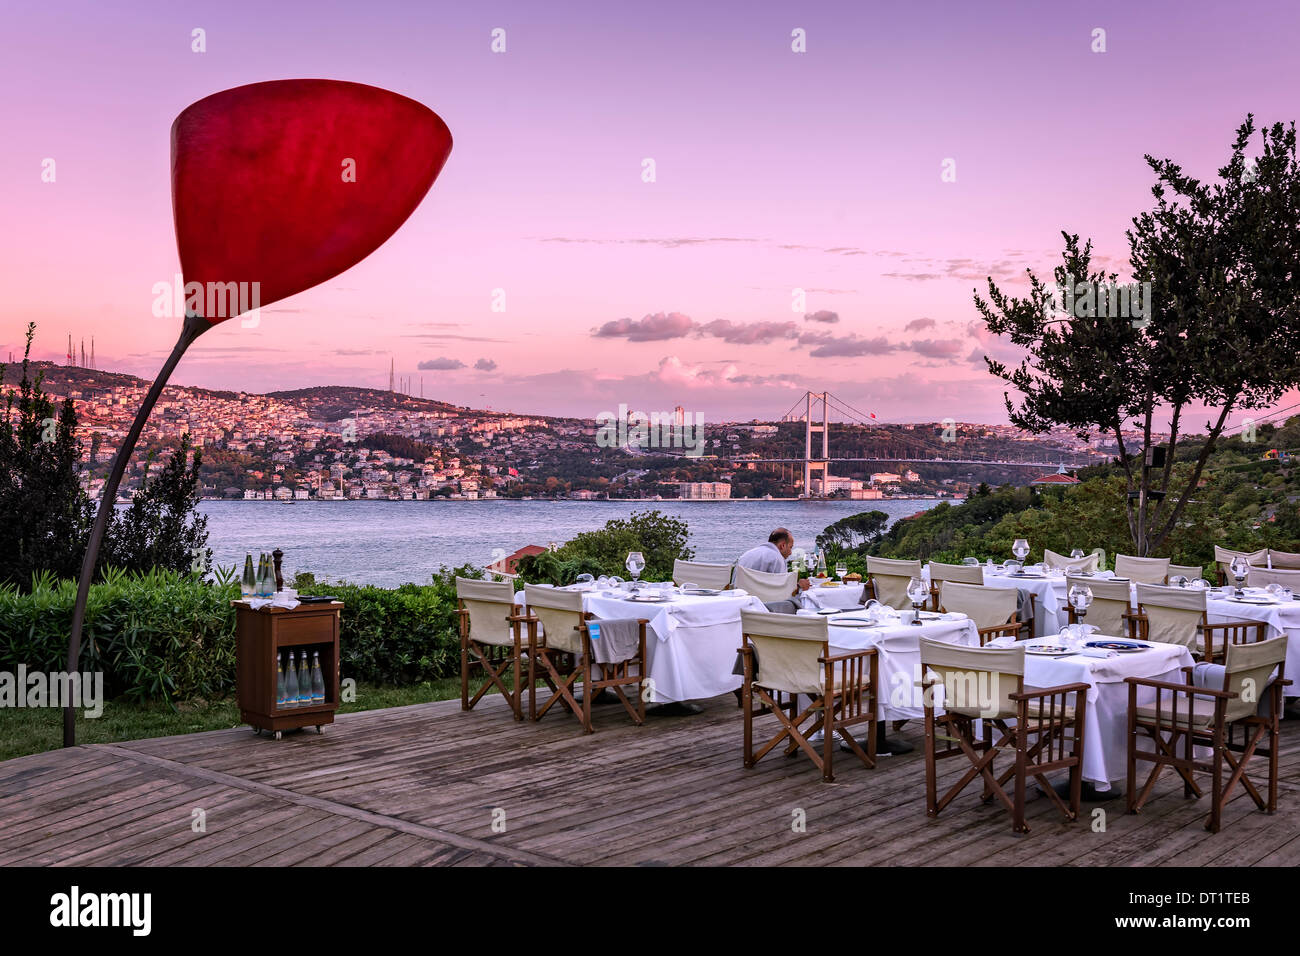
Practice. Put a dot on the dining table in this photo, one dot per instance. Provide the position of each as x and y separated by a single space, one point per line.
1105 741
1051 606
898 650
1281 615
834 595
692 640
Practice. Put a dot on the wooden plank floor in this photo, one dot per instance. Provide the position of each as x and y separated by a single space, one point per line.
430 785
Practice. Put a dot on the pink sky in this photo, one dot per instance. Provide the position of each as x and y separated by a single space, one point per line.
775 170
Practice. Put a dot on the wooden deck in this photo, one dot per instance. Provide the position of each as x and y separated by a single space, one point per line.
423 785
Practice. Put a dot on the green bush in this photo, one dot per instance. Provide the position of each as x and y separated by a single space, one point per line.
164 636
159 635
661 539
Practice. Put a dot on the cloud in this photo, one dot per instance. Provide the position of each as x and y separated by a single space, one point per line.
938 348
823 315
650 328
916 325
441 364
485 365
671 242
752 333
849 346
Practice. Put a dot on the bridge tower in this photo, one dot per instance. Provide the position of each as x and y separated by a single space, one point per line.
821 463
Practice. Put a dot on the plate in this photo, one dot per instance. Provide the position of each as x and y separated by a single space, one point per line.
1048 650
842 610
831 584
1252 600
1123 647
854 622
648 599
701 592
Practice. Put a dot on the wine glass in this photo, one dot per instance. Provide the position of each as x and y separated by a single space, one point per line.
1240 569
917 592
1076 553
1178 581
841 569
635 564
1020 548
584 581
1080 599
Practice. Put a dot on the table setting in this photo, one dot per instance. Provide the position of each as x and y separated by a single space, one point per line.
894 634
1080 655
1276 606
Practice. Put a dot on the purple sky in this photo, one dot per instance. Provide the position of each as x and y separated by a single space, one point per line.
774 171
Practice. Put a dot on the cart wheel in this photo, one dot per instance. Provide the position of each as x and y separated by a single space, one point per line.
277 735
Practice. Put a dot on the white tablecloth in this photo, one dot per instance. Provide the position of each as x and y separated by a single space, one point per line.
843 596
899 658
1105 744
1281 618
692 641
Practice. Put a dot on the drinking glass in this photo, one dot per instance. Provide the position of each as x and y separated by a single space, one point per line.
970 562
917 592
635 564
1080 600
1240 569
1020 548
841 569
1178 581
1076 553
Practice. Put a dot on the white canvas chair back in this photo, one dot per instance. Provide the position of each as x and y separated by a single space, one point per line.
1174 615
977 681
767 587
560 613
1223 557
1110 602
890 577
1089 562
961 573
1246 672
1190 571
701 574
1145 570
987 607
489 603
789 649
1287 560
1263 577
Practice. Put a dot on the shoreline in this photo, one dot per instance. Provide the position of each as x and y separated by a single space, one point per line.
575 501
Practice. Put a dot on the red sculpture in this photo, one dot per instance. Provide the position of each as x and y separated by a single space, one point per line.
276 187
291 182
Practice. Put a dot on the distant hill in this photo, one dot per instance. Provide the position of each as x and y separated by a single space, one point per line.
335 402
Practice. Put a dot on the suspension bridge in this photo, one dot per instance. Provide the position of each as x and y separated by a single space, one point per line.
814 409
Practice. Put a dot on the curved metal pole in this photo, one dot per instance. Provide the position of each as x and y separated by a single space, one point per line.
194 326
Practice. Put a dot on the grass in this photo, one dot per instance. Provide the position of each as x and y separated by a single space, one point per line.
28 731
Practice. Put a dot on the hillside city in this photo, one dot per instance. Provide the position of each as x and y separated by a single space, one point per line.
342 443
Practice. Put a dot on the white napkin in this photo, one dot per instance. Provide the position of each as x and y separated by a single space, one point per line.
1097 652
1004 641
280 600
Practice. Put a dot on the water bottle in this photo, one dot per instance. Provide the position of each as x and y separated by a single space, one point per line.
317 680
304 682
291 683
248 583
267 583
279 685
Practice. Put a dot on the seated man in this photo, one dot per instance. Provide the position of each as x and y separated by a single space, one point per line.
771 557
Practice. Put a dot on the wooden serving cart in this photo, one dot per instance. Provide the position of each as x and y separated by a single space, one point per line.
264 634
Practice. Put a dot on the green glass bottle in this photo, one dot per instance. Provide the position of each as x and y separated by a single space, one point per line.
248 583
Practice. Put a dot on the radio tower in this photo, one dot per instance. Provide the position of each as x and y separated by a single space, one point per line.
391 368
92 351
83 353
69 348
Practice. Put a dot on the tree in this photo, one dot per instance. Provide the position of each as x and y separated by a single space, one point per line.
659 538
1218 330
855 532
163 528
46 514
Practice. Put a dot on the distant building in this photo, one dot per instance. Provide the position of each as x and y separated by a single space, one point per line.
1059 477
509 564
886 478
704 490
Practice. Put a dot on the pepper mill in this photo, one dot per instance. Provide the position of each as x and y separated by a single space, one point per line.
277 555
